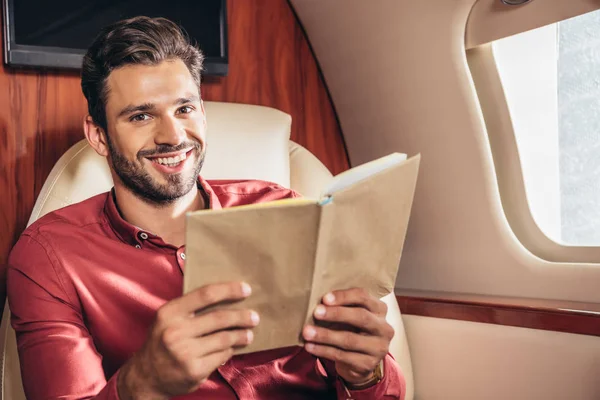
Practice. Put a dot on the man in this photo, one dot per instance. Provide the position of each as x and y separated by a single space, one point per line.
95 288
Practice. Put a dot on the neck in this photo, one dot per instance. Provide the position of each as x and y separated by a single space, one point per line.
167 221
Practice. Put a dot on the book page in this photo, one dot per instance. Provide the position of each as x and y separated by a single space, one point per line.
361 172
362 233
270 248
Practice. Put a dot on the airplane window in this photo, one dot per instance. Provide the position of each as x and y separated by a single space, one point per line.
551 78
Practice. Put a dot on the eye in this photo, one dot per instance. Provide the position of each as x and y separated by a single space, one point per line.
185 110
139 118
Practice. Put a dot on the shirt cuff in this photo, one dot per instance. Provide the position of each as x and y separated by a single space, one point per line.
109 392
392 386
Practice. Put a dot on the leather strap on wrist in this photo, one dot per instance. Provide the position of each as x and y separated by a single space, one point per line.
377 377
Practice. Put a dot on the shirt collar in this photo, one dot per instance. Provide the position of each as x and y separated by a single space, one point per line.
135 236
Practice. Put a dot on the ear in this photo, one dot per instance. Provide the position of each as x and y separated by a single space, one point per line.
95 136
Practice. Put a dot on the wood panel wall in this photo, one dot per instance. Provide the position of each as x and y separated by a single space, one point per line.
271 64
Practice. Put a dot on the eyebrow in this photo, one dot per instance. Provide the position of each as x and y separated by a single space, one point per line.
189 99
132 108
150 106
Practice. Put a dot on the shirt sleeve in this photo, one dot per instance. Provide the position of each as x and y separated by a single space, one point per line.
391 387
56 351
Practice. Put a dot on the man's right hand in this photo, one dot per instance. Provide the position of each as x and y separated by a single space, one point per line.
183 349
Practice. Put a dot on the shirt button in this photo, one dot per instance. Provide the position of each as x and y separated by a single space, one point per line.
182 256
143 235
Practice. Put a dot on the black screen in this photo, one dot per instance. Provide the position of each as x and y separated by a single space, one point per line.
73 24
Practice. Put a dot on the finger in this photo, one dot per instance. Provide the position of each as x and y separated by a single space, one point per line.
215 360
203 297
348 341
224 340
223 319
211 322
355 297
357 317
201 368
215 343
360 363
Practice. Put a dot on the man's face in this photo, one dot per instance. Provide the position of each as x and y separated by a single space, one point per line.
156 129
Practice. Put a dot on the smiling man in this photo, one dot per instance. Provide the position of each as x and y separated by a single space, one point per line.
95 288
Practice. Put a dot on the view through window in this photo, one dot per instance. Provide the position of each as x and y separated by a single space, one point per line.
551 78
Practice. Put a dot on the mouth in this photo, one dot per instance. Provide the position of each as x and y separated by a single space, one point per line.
171 162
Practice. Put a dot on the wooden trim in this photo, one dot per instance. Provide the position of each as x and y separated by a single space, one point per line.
569 317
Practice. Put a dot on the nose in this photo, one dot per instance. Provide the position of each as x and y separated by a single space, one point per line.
170 132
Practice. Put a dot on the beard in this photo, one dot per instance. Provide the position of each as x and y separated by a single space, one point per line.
143 185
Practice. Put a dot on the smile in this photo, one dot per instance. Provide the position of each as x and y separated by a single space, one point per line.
171 160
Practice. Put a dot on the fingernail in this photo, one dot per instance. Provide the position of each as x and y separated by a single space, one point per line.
246 289
249 336
320 311
309 332
329 298
254 317
309 347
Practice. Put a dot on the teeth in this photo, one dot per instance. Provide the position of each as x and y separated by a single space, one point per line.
171 161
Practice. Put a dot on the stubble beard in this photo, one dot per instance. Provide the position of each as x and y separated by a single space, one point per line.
141 183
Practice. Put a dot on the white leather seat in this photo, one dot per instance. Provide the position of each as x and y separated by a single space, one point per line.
244 141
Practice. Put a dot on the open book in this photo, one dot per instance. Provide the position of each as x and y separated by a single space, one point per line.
292 252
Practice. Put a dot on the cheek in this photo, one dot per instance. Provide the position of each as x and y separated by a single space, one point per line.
129 142
201 137
197 129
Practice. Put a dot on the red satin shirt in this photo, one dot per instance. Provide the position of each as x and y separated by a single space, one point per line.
84 287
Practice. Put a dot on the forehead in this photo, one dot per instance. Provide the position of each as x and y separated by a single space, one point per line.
157 84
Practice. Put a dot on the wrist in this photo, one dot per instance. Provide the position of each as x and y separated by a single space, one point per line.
133 384
374 378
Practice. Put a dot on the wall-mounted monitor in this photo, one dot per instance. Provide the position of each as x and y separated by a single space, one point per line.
57 33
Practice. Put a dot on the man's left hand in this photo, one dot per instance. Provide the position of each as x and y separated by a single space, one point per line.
358 348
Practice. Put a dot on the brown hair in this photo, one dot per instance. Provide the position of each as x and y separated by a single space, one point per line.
139 40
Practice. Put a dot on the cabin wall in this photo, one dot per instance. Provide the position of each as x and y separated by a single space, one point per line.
462 258
271 64
421 97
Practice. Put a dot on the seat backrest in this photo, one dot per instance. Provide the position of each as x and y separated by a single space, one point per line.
244 141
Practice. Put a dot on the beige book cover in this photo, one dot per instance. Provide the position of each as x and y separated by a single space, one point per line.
292 252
